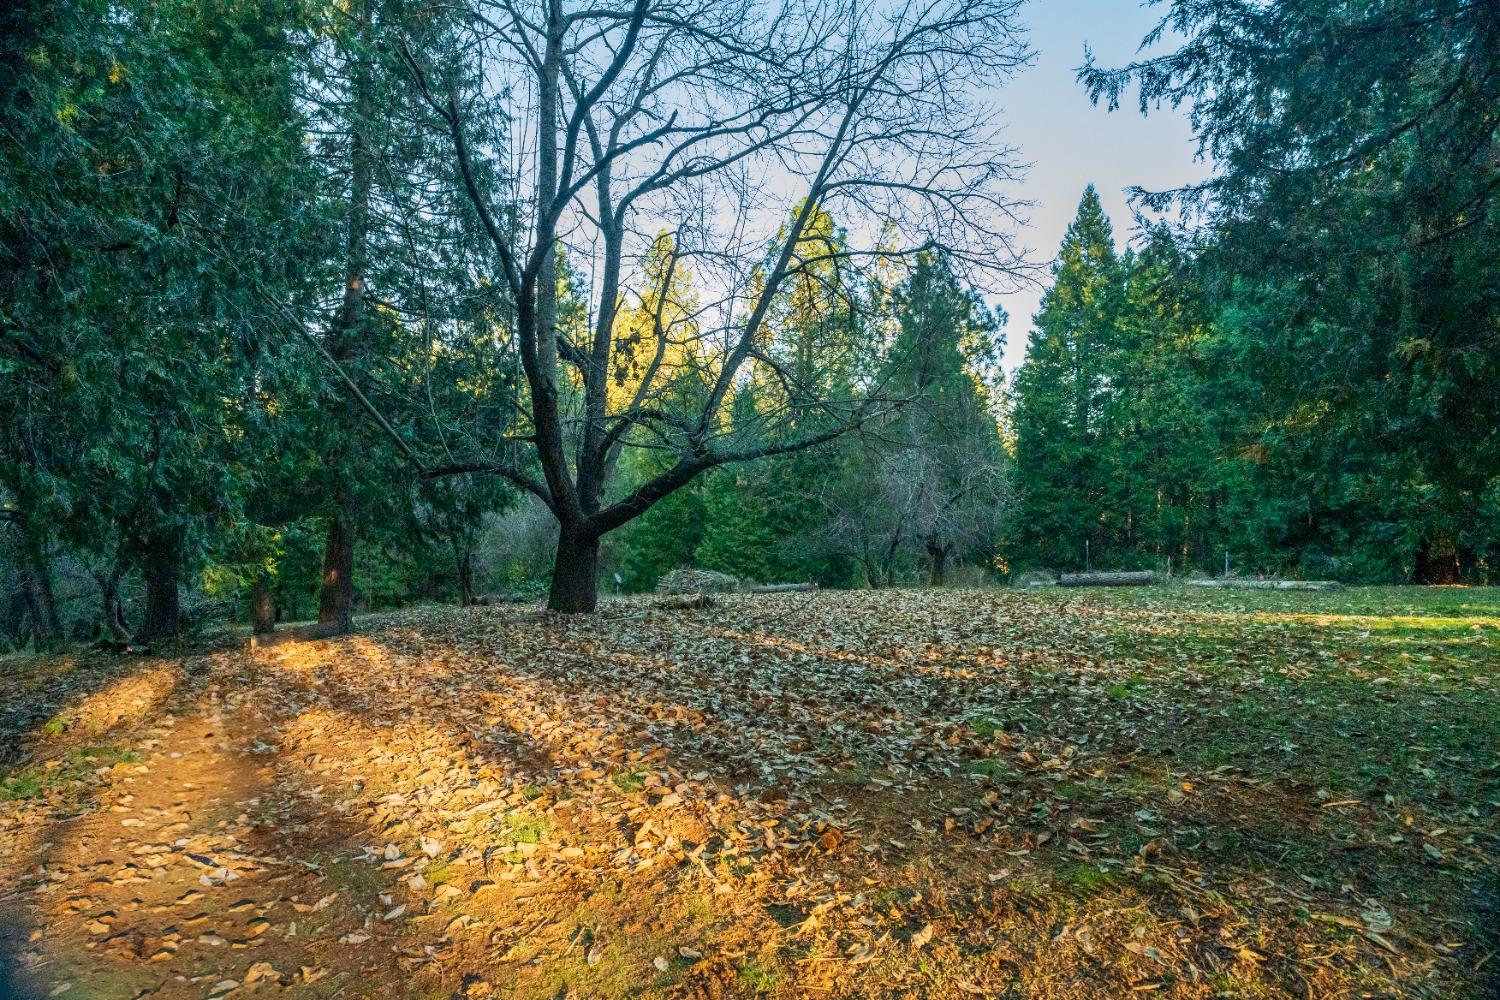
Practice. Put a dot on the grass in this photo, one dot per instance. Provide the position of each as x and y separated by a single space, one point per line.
989 767
986 726
1338 658
523 827
22 785
358 877
32 782
759 975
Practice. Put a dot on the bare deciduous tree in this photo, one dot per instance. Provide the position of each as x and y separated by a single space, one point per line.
717 122
938 496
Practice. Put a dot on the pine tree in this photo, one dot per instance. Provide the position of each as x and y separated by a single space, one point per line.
1058 390
1351 247
403 263
942 460
1158 449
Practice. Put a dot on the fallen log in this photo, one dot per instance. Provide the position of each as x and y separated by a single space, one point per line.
302 633
781 588
1268 584
489 600
1140 579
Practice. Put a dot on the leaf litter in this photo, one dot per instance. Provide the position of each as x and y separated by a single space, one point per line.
931 793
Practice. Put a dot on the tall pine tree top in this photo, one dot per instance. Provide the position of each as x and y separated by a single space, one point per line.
1086 269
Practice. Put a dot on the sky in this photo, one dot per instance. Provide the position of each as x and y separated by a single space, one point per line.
1069 143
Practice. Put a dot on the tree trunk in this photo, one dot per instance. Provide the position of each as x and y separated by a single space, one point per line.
114 611
888 564
466 577
163 605
36 580
336 602
575 575
262 608
937 565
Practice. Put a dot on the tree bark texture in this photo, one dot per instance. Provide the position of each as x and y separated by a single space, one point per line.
336 601
161 568
575 574
262 607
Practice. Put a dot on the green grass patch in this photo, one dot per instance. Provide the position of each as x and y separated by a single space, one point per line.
361 878
758 975
23 785
33 781
106 756
523 827
987 726
1083 882
990 767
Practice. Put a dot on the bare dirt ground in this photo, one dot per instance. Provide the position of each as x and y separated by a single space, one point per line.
906 794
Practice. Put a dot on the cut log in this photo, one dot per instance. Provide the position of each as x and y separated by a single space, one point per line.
781 588
302 633
1140 579
1268 584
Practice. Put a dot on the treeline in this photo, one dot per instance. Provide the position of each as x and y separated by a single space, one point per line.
216 219
312 308
1307 375
306 308
905 497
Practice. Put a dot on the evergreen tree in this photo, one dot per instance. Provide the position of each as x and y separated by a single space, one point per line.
156 208
1351 243
1058 393
1160 452
940 460
403 262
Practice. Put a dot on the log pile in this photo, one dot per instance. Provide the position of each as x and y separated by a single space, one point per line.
695 581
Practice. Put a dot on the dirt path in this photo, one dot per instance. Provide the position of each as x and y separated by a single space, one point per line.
266 841
186 880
